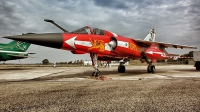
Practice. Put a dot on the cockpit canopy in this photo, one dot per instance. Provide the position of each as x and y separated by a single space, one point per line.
89 30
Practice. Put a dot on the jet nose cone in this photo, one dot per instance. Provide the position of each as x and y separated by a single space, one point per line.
53 40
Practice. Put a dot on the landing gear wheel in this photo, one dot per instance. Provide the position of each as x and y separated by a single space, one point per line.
93 73
94 58
197 64
96 74
121 69
151 69
198 67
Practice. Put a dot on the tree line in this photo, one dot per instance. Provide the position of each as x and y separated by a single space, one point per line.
46 62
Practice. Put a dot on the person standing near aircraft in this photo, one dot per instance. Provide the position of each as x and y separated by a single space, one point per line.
107 63
54 64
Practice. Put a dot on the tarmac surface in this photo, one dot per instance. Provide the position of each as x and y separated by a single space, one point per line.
171 88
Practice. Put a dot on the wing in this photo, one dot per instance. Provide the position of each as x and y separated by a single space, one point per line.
162 44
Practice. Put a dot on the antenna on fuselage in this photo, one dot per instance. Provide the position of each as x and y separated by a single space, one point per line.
51 21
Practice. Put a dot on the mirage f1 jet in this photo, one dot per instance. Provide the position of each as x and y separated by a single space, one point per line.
14 50
103 44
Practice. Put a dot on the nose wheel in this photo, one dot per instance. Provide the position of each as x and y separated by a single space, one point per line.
96 72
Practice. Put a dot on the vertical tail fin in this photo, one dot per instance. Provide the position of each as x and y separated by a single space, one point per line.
17 46
151 35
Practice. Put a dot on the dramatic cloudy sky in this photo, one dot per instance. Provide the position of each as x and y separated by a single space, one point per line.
175 21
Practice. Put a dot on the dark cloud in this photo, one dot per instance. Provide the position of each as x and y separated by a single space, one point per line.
5 8
194 7
194 14
197 28
116 4
8 19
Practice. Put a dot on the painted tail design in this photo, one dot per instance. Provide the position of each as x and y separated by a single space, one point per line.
16 46
151 35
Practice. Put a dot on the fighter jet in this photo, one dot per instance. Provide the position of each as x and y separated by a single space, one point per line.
14 50
103 44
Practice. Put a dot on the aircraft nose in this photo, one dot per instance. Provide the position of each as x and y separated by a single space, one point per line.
53 40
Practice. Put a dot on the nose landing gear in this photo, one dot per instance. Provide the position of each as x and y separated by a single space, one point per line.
96 72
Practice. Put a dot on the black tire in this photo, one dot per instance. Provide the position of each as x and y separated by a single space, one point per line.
121 69
93 73
153 69
98 74
197 64
198 67
148 69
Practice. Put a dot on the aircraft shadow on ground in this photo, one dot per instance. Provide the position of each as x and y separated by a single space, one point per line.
134 72
64 74
88 73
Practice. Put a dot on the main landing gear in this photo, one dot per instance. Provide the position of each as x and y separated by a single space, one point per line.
96 72
121 67
151 68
